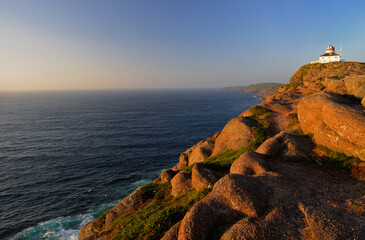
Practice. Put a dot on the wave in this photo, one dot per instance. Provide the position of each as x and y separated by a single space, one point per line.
68 228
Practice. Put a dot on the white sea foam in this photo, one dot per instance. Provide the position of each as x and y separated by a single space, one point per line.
67 228
62 228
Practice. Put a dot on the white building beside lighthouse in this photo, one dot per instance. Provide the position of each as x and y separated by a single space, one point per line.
330 55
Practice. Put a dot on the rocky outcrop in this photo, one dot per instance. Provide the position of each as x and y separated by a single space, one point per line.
236 134
334 122
232 197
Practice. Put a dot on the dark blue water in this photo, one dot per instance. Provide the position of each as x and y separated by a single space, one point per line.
65 157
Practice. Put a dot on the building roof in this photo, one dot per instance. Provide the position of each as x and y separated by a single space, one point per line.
329 54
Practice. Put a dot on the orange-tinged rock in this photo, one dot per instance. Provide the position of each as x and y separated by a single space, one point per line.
236 134
181 184
233 197
250 163
335 122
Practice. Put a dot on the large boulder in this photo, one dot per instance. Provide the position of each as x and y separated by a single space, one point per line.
195 154
334 122
202 177
165 176
181 184
129 204
337 86
355 85
233 197
200 152
281 223
325 224
250 163
288 145
236 134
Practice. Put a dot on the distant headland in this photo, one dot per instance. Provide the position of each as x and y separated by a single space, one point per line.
262 90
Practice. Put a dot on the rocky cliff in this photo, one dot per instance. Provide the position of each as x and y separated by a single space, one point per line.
292 167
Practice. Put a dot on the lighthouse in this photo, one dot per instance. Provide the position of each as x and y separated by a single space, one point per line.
330 55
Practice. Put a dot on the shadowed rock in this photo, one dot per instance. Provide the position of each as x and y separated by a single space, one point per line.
201 177
165 176
181 184
280 223
250 163
324 224
172 233
271 147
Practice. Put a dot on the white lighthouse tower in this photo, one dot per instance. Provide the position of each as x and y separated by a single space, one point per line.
330 55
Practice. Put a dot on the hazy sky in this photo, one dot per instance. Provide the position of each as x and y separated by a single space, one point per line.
104 44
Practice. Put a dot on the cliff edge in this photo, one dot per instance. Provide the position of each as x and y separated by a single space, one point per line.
292 167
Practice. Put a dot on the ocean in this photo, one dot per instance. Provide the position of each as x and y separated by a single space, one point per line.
65 157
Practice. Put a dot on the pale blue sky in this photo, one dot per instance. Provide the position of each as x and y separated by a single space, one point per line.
94 44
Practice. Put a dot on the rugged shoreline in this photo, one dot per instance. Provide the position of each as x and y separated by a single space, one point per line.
291 167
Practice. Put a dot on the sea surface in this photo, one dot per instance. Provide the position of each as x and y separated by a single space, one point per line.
65 157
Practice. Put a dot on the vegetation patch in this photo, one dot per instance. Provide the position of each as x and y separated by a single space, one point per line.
157 217
293 121
154 190
100 221
336 159
224 160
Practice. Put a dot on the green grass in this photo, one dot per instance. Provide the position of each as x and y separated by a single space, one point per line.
223 161
342 160
100 222
337 159
158 216
153 190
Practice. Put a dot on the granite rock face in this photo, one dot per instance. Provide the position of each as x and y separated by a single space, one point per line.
236 134
181 184
334 122
232 197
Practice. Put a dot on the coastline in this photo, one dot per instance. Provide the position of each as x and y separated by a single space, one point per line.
250 168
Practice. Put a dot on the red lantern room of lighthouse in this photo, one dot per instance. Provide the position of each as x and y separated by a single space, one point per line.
330 49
